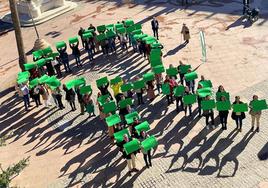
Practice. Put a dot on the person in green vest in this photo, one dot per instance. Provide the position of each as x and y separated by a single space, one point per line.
255 115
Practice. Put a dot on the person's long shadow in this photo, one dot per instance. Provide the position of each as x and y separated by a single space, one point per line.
175 50
198 153
233 154
184 152
263 154
240 21
215 153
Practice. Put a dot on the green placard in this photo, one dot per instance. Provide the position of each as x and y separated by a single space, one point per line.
87 35
29 66
118 25
101 37
203 92
41 62
110 34
85 89
137 32
73 40
179 91
156 46
47 51
126 87
156 61
129 23
205 83
102 81
121 30
43 79
258 105
189 99
149 143
22 80
223 105
34 83
139 84
139 36
101 28
37 54
113 120
125 102
102 99
60 44
53 55
119 136
150 42
116 80
88 31
138 26
24 74
155 52
191 76
208 104
158 69
172 71
110 27
75 82
131 28
148 76
130 117
240 107
53 82
220 94
109 107
166 89
132 146
144 126
184 68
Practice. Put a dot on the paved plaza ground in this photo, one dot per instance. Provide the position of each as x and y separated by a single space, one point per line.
70 150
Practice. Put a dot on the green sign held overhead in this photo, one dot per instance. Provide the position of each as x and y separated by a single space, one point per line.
102 81
191 76
144 126
126 87
131 146
113 120
130 117
158 69
149 143
139 84
85 89
109 107
208 104
148 76
119 136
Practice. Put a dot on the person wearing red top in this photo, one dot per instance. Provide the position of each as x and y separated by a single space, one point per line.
172 83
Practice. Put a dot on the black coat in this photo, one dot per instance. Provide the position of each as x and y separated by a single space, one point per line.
75 50
155 24
234 116
70 94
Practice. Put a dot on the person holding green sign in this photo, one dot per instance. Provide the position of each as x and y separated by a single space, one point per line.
70 96
25 91
187 92
132 129
36 95
238 116
150 90
89 48
139 93
191 83
146 154
80 99
80 33
171 84
223 115
131 163
88 102
255 115
179 91
209 114
181 73
76 53
64 58
58 97
159 81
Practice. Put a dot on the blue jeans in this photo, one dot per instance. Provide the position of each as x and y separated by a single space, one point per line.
90 54
26 101
77 60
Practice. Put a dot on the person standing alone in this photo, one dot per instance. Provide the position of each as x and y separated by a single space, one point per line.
155 26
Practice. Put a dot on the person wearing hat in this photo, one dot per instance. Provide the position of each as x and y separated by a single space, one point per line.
155 26
186 33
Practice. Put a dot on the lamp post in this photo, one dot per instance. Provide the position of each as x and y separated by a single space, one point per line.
18 34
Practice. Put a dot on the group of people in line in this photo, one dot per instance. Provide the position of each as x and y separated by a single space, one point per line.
87 105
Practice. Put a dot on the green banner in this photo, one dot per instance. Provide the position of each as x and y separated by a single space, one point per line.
113 120
149 143
208 104
130 117
132 146
144 126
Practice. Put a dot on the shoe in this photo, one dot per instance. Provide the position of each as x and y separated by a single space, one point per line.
147 166
258 129
150 165
135 170
129 173
252 129
240 130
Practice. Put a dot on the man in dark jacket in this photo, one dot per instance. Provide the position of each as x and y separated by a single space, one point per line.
245 6
64 58
155 26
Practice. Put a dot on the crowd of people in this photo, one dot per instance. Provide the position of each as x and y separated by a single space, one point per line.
104 95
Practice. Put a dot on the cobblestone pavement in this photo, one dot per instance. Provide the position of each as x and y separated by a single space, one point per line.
188 155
